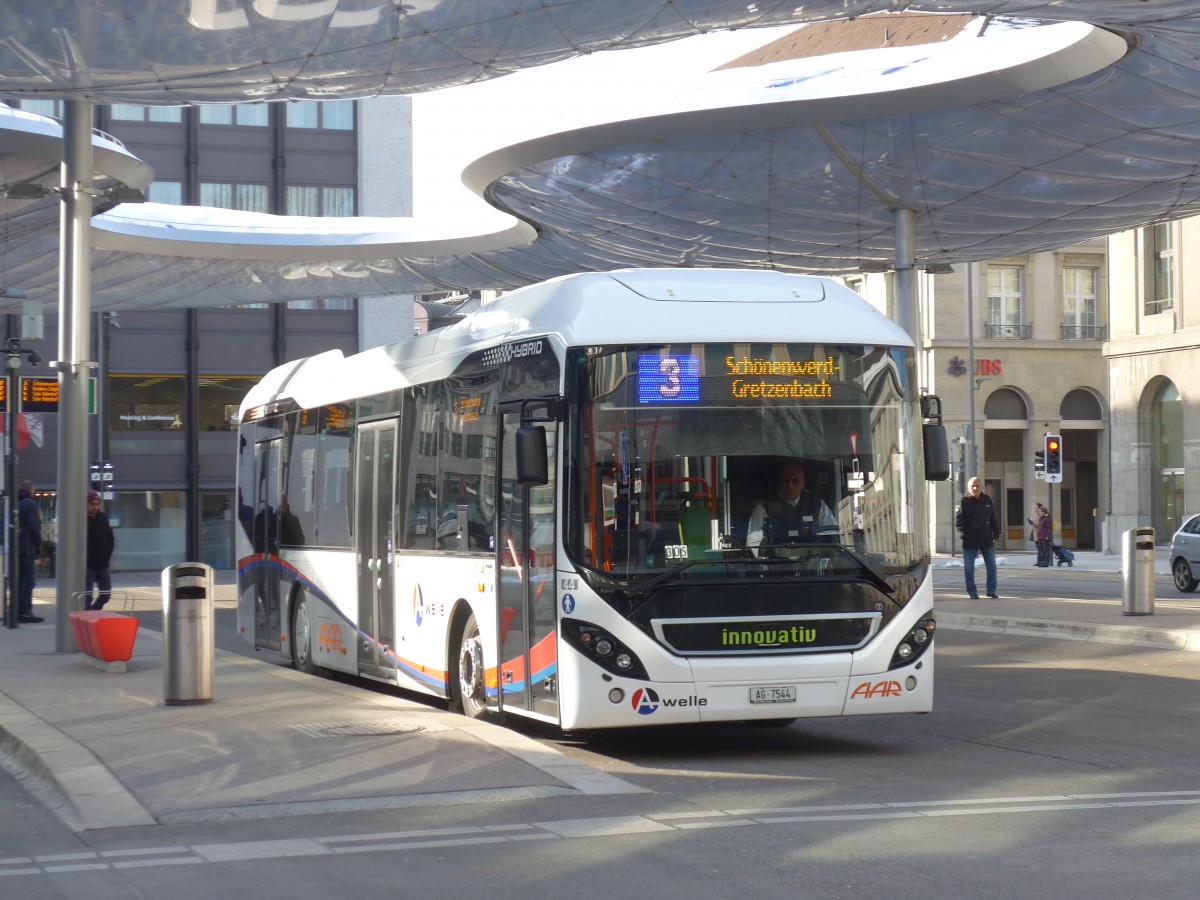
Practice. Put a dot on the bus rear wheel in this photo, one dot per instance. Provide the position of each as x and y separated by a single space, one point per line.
302 645
467 682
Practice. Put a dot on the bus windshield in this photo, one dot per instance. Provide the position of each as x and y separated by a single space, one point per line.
682 457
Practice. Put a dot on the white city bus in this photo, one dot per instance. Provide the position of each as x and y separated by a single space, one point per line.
543 509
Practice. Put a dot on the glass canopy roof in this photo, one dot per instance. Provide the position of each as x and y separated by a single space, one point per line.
1019 135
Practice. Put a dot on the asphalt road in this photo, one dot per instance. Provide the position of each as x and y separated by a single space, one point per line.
1048 769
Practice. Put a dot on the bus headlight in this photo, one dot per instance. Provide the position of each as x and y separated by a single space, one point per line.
603 649
913 644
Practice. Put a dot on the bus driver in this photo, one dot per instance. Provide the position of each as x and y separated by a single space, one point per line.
796 514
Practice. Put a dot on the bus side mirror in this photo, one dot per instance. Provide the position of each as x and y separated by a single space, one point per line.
532 469
937 452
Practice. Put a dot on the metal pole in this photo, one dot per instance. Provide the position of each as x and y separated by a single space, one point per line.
1050 487
950 519
10 489
74 281
103 323
971 458
191 416
906 283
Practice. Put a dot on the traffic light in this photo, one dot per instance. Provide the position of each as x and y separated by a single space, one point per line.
1039 464
1053 457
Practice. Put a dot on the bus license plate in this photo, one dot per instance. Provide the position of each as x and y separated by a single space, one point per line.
784 694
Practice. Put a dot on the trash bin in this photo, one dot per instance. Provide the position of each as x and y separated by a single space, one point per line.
1137 571
188 636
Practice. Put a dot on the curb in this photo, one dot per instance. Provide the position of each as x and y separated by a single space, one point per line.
63 774
1123 635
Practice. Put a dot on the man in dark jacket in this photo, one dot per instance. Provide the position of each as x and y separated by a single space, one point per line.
979 529
100 544
29 548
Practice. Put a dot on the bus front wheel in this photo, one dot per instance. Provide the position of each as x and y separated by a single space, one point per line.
467 679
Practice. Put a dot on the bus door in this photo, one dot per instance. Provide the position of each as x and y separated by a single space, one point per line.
375 546
528 671
264 535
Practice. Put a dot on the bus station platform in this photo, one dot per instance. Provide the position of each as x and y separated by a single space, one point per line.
104 750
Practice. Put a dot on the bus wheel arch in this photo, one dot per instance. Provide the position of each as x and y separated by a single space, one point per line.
468 694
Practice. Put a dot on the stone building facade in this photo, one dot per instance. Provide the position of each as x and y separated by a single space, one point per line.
1014 348
1154 373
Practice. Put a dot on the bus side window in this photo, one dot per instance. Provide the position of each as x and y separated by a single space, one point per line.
420 497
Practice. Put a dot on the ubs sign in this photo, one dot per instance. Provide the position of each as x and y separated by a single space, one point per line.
958 366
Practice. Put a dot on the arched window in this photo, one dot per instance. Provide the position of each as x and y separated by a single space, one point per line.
1005 404
1081 405
1166 454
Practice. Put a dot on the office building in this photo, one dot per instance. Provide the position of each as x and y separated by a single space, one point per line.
172 379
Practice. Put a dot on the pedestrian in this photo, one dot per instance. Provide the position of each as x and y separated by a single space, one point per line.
100 545
29 548
979 530
1039 513
1045 534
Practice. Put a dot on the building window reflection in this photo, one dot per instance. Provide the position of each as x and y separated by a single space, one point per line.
156 402
145 402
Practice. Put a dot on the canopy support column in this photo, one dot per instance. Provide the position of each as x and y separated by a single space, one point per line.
74 280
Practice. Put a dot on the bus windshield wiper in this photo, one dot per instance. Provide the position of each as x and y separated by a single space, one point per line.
873 575
870 573
635 591
638 590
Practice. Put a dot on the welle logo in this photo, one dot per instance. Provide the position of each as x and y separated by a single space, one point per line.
646 701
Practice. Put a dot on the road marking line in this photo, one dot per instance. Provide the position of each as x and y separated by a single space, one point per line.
611 826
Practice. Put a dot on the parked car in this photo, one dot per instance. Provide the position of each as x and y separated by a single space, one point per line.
1185 554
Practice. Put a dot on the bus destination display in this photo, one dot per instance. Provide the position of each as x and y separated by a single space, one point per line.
675 379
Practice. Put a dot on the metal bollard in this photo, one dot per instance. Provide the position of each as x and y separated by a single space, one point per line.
188 635
1137 572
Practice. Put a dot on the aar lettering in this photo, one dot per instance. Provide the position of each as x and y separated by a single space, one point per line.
329 640
869 691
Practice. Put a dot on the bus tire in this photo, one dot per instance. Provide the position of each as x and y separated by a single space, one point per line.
302 642
468 694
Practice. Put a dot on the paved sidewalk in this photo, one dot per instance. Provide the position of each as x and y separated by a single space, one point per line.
105 751
1046 611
